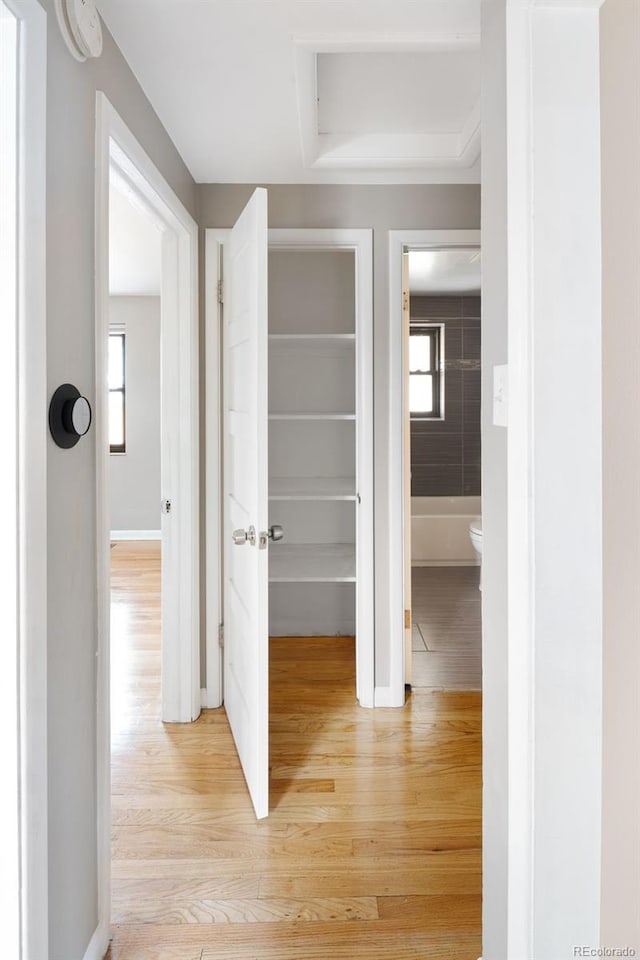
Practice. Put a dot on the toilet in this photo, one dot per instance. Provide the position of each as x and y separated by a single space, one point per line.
475 535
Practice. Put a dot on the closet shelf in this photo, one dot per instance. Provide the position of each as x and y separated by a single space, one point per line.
302 338
312 416
312 563
312 488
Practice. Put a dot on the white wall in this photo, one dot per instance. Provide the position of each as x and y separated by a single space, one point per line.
71 474
541 295
620 78
134 477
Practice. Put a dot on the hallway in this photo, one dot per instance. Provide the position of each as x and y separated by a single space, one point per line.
372 846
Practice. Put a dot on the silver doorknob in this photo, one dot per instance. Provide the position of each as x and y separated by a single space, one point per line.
276 532
240 537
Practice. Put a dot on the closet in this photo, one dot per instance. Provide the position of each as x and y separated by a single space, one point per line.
289 460
312 442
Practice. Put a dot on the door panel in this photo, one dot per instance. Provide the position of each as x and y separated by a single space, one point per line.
406 443
246 613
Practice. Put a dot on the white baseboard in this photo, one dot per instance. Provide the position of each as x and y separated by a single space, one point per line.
207 702
136 534
383 697
99 944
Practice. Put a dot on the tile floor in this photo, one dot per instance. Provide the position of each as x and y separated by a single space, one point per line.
447 628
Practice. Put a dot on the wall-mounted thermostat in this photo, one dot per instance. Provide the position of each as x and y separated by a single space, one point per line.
79 24
69 416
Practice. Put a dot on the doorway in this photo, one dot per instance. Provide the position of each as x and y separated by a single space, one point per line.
135 268
442 464
121 161
316 420
400 242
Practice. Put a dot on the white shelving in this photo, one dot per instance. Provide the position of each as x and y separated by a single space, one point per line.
312 416
312 488
300 339
312 442
312 563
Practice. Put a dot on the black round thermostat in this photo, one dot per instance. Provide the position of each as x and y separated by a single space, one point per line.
69 415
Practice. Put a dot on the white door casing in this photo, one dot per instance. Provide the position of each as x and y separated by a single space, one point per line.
361 243
119 155
23 680
245 491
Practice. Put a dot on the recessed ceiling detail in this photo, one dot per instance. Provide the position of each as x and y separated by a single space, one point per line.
235 83
400 108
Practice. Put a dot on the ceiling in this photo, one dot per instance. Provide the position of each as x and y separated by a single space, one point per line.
134 249
310 91
444 271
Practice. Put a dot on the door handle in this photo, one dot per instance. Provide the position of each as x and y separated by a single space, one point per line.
274 533
240 537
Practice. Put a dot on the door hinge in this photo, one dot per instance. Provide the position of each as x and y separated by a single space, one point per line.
407 619
166 506
405 300
221 634
220 291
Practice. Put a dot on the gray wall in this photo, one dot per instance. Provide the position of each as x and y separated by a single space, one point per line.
620 65
134 477
445 454
494 482
380 208
72 608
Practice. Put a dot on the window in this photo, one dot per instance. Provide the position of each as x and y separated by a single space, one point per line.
116 393
425 365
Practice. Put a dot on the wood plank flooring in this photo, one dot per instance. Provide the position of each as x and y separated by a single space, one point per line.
372 847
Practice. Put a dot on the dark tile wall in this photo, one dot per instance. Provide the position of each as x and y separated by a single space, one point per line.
445 454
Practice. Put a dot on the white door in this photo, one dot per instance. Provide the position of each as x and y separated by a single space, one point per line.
246 610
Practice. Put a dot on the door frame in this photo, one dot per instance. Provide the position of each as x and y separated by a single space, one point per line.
398 241
119 155
361 243
24 802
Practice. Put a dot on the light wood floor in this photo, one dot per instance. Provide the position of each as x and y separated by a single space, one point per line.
372 847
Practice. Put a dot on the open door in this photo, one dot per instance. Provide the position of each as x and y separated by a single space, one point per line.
245 406
406 447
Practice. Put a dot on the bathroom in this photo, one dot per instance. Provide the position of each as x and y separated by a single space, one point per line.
443 400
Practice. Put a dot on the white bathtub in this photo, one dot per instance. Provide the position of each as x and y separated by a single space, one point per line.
440 530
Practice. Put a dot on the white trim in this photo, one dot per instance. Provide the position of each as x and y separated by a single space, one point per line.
440 155
99 943
117 149
520 494
214 240
386 697
31 720
445 563
398 240
360 241
136 535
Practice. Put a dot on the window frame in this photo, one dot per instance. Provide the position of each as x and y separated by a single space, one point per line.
435 332
120 448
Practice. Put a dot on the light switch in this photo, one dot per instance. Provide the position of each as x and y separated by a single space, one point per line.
500 395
